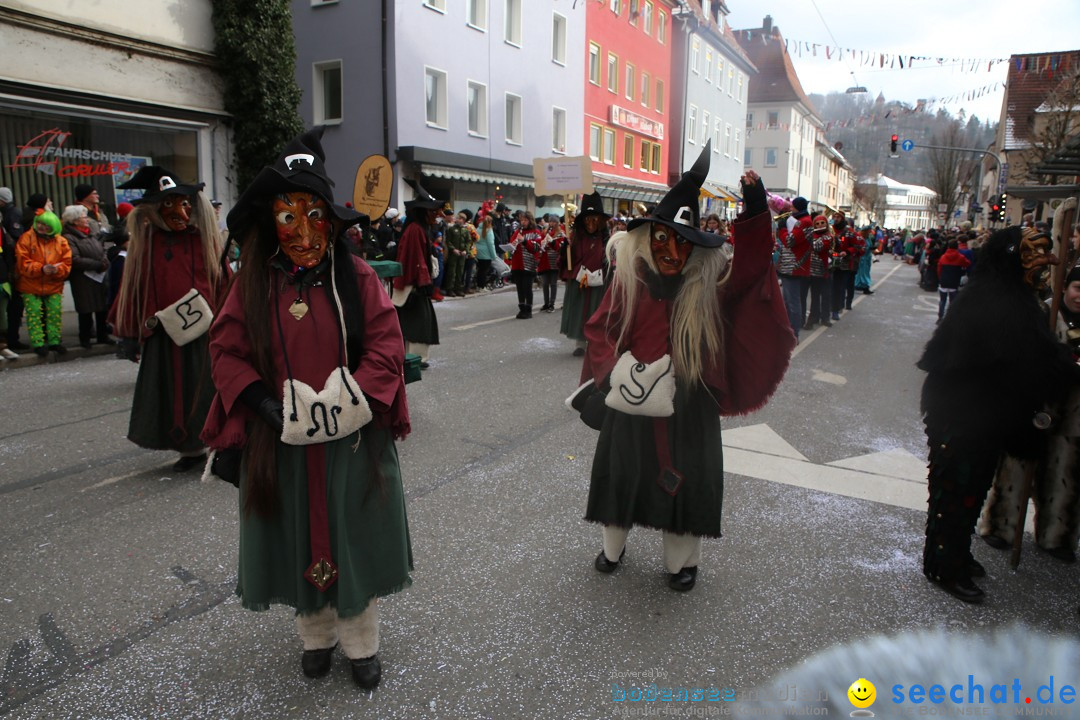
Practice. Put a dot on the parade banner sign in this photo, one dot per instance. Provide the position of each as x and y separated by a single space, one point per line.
563 175
373 186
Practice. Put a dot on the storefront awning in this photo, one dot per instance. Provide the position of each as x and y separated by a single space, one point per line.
720 192
476 176
610 186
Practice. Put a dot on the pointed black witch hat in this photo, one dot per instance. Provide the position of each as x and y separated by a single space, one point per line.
156 182
679 210
591 204
299 168
423 200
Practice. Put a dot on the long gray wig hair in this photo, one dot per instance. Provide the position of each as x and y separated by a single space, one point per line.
697 332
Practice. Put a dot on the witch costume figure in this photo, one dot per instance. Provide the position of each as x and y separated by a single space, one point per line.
994 371
414 287
172 284
584 270
307 359
687 332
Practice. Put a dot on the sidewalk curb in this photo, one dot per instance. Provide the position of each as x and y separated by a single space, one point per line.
28 358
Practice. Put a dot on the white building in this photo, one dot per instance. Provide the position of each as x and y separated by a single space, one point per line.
91 91
905 206
473 91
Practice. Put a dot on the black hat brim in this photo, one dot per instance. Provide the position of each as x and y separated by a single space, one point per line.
695 236
159 195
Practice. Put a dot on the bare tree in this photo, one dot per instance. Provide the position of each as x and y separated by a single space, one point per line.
950 171
1052 126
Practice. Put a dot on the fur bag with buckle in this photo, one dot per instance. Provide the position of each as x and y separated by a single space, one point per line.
639 388
337 411
594 278
186 319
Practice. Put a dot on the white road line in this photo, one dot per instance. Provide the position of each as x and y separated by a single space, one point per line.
470 326
817 333
118 478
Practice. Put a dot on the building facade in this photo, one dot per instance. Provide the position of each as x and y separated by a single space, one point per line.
900 206
627 104
462 95
711 79
68 116
782 126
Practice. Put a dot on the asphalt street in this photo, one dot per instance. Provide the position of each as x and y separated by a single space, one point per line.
116 577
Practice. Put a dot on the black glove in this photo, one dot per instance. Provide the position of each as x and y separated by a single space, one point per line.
754 198
226 465
590 405
128 349
257 397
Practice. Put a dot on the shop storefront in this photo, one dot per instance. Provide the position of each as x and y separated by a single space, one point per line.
51 148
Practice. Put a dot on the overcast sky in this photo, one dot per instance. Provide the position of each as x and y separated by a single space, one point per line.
936 28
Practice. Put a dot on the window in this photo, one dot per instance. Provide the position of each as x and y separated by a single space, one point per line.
748 157
435 97
616 6
730 81
647 20
609 146
691 125
594 63
317 3
558 130
629 81
613 73
770 157
727 140
478 109
740 95
660 96
719 73
558 38
596 145
708 65
646 83
646 156
628 151
512 34
738 142
695 50
327 92
705 117
774 119
633 12
513 119
439 5
716 136
476 12
655 159
661 27
749 121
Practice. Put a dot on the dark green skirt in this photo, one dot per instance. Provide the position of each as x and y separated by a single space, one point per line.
578 306
369 532
418 321
154 424
623 489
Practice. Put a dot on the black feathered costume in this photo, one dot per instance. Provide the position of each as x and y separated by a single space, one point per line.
992 365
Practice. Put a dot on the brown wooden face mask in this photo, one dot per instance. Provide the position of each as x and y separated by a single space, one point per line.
1037 259
175 211
670 250
303 227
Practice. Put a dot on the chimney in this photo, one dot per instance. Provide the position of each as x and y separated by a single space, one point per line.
766 25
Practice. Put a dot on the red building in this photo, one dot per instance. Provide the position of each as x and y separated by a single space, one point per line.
627 99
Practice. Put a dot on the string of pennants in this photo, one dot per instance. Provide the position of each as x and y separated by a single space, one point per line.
1048 63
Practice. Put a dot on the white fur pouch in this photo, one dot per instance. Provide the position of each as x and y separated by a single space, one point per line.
639 388
594 278
186 319
398 297
317 417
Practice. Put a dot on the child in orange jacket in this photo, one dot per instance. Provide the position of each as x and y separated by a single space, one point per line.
43 257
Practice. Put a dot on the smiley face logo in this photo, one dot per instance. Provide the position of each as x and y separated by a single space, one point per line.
862 693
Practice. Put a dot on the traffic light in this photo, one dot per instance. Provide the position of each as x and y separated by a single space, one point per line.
892 143
995 210
1001 211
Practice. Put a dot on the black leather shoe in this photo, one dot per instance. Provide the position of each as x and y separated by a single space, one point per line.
995 542
367 672
961 589
58 349
975 568
578 352
316 663
683 580
1063 554
604 565
186 462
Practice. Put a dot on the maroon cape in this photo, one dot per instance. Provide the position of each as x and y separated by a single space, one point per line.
312 344
415 259
757 336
